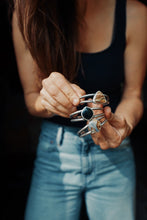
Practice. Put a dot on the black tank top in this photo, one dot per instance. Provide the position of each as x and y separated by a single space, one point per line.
104 70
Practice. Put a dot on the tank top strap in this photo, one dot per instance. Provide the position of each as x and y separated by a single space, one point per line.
119 32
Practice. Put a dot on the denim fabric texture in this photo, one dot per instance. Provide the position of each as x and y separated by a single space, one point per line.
66 167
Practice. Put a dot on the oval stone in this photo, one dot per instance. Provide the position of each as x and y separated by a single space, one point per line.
87 113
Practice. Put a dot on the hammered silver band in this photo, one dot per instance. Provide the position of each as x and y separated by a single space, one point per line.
98 98
91 127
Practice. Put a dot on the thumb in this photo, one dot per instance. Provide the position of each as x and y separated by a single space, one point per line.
108 113
98 111
113 119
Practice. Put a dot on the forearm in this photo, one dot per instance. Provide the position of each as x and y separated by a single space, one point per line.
131 109
35 107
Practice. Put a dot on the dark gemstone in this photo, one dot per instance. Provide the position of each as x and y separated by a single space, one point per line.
87 113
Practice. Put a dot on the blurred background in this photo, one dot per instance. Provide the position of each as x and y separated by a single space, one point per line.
19 135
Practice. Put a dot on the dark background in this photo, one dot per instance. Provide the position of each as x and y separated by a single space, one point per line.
19 135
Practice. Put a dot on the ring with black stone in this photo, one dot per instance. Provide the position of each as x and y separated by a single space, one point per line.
85 114
93 127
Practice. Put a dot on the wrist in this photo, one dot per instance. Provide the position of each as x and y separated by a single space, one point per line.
35 107
130 128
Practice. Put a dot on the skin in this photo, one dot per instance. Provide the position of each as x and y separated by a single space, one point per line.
59 97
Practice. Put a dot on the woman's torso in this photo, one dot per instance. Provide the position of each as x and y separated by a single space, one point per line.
102 65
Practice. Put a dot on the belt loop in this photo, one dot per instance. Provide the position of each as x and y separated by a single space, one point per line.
60 133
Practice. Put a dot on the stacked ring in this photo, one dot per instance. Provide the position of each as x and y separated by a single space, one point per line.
94 126
86 114
98 98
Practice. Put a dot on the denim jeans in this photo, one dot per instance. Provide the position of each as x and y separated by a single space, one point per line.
66 167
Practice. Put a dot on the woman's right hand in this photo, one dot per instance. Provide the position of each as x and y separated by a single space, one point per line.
59 96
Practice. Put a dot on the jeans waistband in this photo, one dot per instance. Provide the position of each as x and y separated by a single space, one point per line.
71 132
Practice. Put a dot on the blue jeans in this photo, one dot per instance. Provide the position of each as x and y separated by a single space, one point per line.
66 167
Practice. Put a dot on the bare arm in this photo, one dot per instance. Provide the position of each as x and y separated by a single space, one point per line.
130 110
27 69
56 96
135 64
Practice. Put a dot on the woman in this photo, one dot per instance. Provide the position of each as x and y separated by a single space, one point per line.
64 50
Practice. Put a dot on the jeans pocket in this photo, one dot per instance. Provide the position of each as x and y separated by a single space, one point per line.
59 137
50 139
46 145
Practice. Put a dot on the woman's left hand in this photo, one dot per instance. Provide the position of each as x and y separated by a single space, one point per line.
113 131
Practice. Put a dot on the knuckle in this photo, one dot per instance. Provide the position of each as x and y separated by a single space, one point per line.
67 104
69 94
53 74
74 86
116 144
69 97
61 83
78 89
104 146
123 122
53 90
44 82
56 75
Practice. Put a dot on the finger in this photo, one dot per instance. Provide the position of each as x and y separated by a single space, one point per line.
109 116
118 125
114 119
48 107
93 105
64 86
108 113
100 140
111 135
57 105
57 94
108 137
80 92
98 111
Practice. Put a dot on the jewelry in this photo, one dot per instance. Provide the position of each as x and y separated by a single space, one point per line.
93 127
86 114
98 98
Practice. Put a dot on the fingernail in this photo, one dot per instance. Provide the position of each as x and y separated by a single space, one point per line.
76 101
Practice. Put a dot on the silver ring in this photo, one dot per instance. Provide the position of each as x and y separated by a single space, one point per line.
85 114
93 127
79 118
98 98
